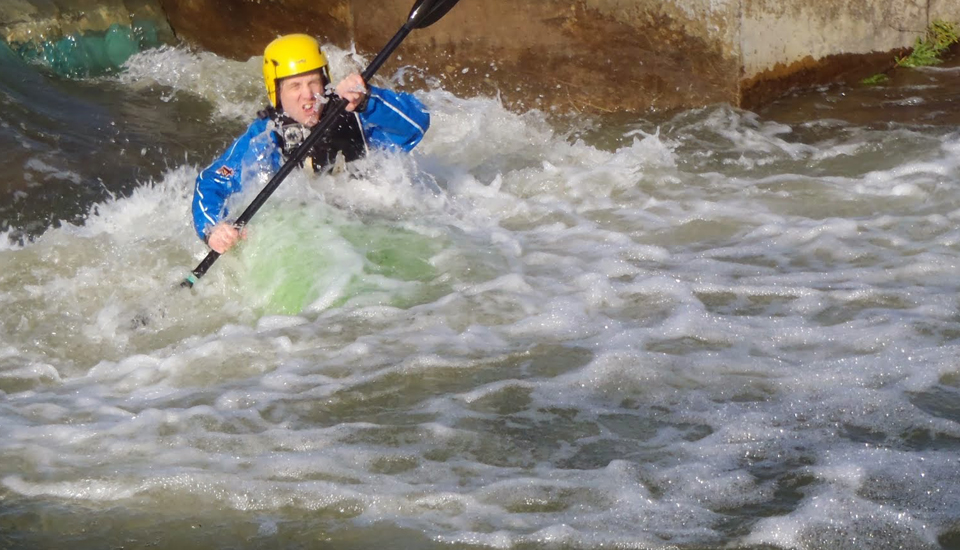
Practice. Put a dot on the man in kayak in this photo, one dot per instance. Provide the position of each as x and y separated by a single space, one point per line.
298 86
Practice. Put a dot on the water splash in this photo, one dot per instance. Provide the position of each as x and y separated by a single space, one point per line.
730 332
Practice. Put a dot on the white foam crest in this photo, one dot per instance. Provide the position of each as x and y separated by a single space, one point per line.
154 210
613 372
345 61
233 87
831 517
914 179
82 281
491 149
33 372
7 240
588 178
612 508
239 494
49 172
85 490
936 69
382 184
911 101
748 134
480 130
493 389
594 344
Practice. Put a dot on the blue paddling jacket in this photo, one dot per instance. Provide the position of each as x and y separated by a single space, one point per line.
391 121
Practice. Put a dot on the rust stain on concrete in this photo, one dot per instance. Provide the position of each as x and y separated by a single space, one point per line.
562 54
841 68
240 29
584 55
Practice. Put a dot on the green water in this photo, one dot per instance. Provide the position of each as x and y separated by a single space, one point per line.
303 256
92 53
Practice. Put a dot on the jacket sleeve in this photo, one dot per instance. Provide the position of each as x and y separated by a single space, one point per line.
394 121
220 180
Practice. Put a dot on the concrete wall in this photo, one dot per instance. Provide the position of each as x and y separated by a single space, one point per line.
589 55
24 21
794 42
594 55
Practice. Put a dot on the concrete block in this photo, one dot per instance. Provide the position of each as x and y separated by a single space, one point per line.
27 20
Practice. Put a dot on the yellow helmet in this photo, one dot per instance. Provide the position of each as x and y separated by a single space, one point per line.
291 55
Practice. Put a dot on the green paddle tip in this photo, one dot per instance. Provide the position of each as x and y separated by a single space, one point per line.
189 281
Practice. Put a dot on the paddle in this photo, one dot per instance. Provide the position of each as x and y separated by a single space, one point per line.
423 14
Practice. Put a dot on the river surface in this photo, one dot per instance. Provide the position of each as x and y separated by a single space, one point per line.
707 329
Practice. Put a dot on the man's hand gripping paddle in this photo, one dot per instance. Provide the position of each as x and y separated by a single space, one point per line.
423 14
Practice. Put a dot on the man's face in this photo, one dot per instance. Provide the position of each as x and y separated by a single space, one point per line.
297 97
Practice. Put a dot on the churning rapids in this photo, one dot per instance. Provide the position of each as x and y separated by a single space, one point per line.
712 329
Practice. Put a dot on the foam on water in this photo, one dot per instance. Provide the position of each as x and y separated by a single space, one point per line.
726 332
229 85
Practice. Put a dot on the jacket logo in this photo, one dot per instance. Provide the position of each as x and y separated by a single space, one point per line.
225 171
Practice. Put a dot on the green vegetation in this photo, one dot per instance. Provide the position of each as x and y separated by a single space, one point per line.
927 50
875 79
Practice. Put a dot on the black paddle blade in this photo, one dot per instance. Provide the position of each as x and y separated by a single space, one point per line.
428 12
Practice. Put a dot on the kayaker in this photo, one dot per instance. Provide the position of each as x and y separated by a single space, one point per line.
297 80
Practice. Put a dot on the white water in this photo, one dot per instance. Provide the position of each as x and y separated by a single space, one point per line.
726 331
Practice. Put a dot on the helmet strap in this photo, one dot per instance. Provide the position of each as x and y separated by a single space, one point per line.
290 133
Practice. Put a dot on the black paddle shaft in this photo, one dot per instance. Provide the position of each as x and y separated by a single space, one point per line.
423 14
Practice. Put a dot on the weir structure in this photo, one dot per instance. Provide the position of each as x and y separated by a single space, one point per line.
569 55
79 38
